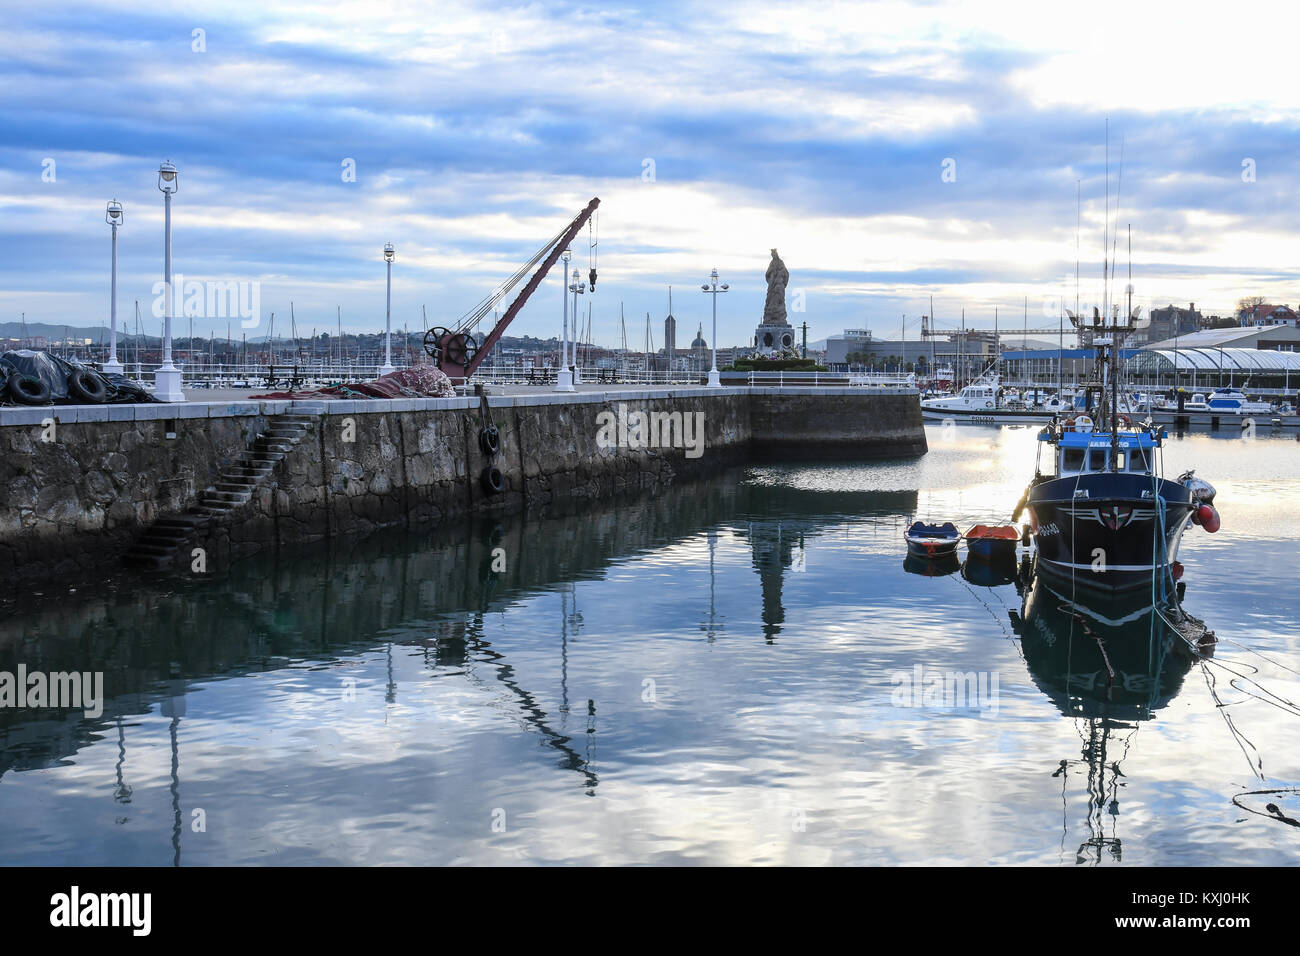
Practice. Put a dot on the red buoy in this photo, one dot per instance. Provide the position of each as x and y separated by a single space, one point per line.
1177 570
1208 518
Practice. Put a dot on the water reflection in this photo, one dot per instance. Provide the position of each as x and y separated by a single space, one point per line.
665 679
1108 665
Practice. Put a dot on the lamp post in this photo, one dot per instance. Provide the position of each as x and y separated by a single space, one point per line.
715 380
577 288
387 367
564 375
113 216
167 379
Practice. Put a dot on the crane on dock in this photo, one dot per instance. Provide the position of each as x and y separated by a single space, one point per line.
455 350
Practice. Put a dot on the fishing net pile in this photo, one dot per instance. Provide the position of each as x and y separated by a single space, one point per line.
421 381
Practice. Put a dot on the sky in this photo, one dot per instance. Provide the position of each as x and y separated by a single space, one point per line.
891 152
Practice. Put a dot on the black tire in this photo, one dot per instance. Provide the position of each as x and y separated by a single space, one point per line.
489 440
87 386
28 390
492 480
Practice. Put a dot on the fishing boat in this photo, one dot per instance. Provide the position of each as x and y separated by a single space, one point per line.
1105 519
932 540
998 541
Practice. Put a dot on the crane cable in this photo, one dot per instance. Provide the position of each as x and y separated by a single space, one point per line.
471 319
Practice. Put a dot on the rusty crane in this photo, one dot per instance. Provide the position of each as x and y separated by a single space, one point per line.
455 350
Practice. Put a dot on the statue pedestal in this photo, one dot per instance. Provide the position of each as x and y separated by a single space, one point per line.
774 337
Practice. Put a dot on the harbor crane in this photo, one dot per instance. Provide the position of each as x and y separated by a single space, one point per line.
455 350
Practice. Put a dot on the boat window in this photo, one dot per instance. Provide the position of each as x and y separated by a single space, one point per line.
1072 459
1119 461
1137 461
1097 459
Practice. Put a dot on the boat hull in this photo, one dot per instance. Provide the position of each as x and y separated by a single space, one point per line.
988 416
932 547
1103 531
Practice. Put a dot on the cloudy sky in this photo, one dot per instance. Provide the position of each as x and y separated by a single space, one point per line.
711 133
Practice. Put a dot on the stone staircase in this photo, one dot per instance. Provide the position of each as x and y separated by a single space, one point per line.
162 540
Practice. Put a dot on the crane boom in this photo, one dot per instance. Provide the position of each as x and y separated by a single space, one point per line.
455 351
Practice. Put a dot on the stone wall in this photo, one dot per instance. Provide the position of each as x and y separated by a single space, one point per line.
72 505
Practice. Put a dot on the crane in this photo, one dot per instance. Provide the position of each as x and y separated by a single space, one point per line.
455 351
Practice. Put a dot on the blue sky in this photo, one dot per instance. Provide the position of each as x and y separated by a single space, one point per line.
478 130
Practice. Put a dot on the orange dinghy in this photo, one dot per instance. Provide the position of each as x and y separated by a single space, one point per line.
998 541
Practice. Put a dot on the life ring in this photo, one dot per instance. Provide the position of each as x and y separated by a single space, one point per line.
492 480
28 390
489 440
88 386
988 404
1123 420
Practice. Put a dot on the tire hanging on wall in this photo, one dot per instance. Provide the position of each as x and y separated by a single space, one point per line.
492 480
489 440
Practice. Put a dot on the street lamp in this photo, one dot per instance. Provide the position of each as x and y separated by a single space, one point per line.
715 380
564 375
577 288
167 379
113 216
388 316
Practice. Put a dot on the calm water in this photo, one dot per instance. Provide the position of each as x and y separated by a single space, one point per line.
711 676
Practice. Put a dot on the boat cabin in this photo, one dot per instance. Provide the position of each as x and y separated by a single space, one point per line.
1085 452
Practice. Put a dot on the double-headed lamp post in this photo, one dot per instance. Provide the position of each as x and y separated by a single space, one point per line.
577 287
387 367
167 379
113 216
715 380
564 375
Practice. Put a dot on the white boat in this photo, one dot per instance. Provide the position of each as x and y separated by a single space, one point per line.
1233 401
980 402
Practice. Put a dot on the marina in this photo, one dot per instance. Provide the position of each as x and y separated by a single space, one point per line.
777 628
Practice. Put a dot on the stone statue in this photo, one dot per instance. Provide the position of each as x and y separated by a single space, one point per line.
777 276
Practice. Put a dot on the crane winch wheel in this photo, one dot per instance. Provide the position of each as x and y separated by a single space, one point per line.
433 340
460 348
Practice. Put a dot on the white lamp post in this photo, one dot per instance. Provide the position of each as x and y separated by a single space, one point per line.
388 317
113 216
577 288
715 380
167 379
564 375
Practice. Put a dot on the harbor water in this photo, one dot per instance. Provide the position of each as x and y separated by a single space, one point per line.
731 672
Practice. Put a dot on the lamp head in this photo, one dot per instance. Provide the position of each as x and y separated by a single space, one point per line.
113 214
705 287
566 255
168 180
725 287
389 251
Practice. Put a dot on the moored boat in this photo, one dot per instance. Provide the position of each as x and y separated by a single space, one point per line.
987 542
932 540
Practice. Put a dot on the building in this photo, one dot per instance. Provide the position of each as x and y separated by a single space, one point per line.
670 331
1167 323
840 347
1265 315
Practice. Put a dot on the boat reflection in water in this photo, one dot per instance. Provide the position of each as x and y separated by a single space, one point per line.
1108 665
936 567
